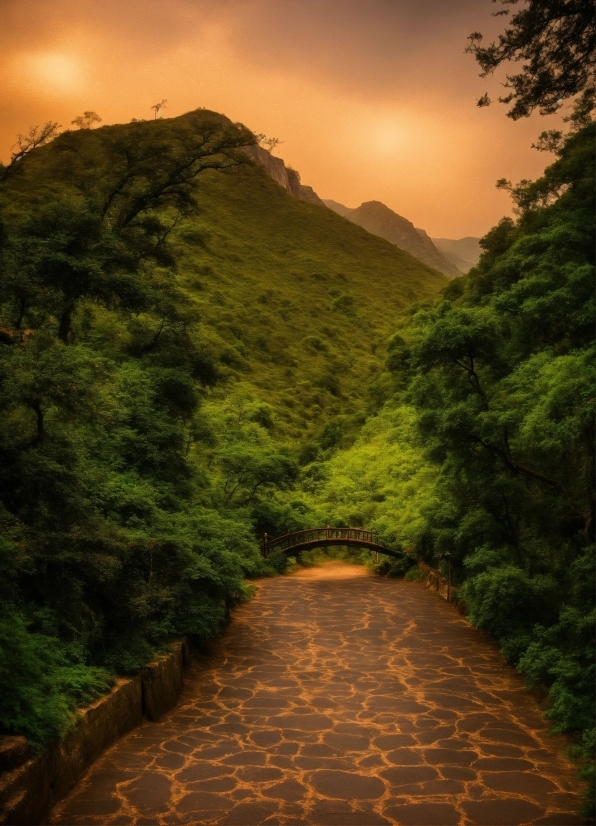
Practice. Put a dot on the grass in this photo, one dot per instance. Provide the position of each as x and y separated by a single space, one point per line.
296 302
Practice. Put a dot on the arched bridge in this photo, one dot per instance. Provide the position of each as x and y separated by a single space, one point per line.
321 537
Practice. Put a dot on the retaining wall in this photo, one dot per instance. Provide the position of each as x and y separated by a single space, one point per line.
434 579
30 786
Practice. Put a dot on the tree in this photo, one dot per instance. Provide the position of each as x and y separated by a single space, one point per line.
503 385
86 120
157 106
250 468
108 546
25 144
270 144
121 194
557 39
61 254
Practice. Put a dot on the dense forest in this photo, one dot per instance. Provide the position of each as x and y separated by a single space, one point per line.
161 373
190 357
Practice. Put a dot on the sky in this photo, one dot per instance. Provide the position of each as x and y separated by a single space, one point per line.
371 99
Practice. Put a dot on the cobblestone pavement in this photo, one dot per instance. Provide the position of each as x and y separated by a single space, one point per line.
339 698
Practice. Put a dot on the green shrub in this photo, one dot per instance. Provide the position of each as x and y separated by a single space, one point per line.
43 681
278 561
401 567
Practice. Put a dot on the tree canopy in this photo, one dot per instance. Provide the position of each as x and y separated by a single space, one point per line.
108 544
556 39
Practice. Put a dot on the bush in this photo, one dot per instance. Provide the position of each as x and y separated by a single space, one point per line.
392 567
279 562
43 681
508 602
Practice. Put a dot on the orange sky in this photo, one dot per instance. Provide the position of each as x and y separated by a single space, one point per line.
373 99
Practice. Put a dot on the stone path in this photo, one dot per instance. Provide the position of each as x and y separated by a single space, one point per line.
339 698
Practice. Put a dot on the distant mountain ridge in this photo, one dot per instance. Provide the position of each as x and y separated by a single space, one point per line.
464 253
342 210
378 219
450 257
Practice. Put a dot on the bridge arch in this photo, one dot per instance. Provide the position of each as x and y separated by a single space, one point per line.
311 538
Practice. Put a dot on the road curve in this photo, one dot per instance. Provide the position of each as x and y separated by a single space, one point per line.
339 698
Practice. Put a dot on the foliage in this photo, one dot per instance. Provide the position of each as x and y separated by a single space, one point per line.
86 120
149 430
264 271
382 481
279 562
557 38
503 378
36 136
43 680
404 566
109 547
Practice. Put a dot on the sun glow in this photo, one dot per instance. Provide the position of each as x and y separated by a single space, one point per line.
388 136
59 72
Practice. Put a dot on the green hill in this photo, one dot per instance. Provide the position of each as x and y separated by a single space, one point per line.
177 333
296 302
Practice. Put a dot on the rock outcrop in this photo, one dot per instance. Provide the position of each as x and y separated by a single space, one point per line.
286 177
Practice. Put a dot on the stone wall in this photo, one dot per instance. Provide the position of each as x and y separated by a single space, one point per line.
30 786
432 578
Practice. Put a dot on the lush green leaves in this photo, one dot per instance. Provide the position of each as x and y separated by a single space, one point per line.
110 546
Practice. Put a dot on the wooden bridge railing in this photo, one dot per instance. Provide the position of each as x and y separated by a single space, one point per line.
351 536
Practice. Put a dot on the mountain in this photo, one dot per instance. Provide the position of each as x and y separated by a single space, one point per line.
295 303
342 210
378 219
177 333
464 253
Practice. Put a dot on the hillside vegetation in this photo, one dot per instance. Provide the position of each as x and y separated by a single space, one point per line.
297 303
177 335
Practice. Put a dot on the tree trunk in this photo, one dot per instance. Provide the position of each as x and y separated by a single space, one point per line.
65 322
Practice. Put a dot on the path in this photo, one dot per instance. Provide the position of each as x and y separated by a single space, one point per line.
339 698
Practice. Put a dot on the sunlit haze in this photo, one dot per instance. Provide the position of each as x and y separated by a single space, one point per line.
372 99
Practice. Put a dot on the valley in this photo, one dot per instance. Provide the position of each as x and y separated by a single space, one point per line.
193 354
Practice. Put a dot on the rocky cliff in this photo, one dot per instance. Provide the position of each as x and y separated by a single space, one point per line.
288 178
